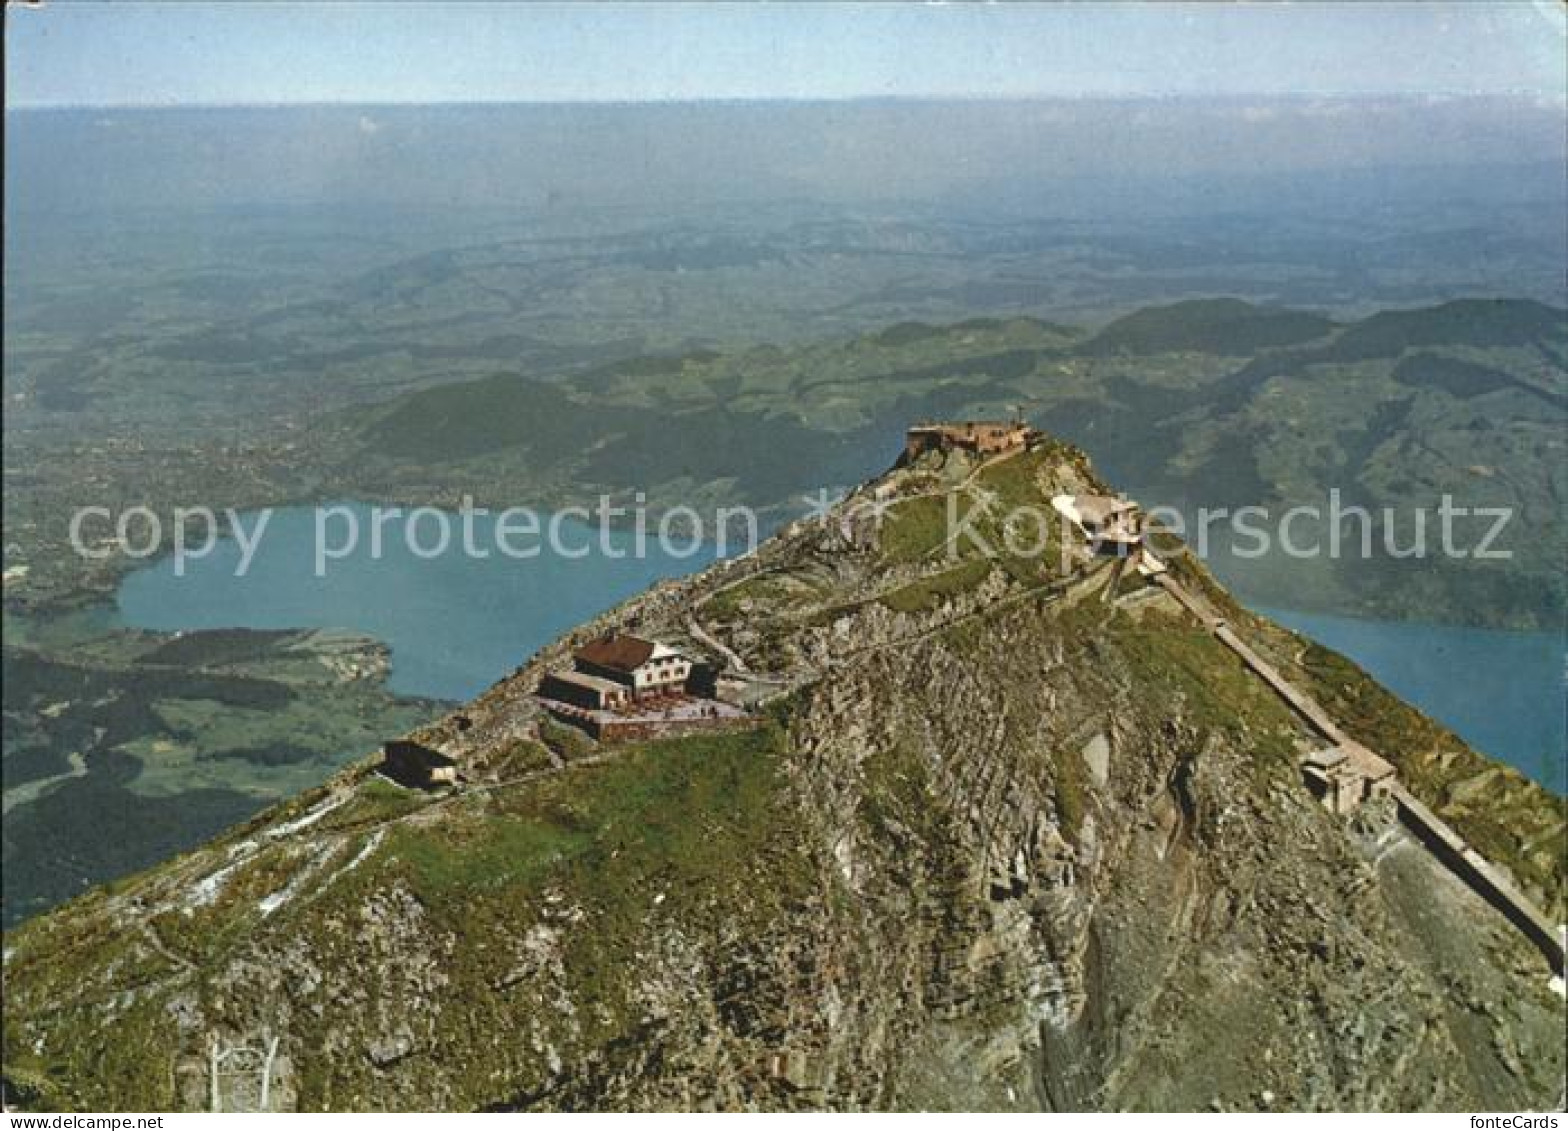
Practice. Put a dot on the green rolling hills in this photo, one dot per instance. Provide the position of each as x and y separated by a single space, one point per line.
1205 403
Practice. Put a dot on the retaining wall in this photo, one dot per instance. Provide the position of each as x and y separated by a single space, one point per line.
1485 878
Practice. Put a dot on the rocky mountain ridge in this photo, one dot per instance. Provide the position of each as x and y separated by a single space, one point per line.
1014 833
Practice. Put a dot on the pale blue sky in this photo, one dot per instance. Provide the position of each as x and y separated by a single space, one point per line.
74 52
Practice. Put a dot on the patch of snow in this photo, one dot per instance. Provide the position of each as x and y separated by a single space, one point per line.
844 856
1097 756
270 903
369 847
207 888
310 818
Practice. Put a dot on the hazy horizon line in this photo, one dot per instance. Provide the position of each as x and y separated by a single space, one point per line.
1536 97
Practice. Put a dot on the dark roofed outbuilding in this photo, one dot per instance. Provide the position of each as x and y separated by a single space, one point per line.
416 765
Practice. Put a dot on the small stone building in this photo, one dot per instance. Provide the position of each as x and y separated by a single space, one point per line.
1342 777
982 437
1110 524
591 692
416 765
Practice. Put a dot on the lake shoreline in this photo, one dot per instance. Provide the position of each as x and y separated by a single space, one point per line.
516 609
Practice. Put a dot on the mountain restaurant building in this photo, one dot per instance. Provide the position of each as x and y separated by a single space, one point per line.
640 667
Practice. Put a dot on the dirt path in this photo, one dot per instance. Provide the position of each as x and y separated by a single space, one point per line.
703 636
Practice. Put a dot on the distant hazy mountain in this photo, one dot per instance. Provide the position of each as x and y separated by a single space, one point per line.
1064 157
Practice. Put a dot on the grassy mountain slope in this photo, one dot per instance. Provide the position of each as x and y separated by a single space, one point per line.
140 745
999 842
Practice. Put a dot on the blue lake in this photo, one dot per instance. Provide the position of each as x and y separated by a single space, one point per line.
456 623
1502 692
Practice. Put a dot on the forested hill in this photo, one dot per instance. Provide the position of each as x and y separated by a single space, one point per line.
1213 402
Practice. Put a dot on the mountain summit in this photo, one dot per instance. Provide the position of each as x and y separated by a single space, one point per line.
982 829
